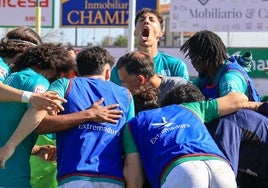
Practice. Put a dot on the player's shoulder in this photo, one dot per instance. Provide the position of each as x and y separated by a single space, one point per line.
169 57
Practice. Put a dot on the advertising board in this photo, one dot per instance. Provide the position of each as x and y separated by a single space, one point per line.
99 13
219 15
23 12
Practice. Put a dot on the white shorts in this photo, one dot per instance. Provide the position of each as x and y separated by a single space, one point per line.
89 184
201 174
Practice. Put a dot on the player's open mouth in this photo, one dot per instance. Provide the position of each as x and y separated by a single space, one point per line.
145 33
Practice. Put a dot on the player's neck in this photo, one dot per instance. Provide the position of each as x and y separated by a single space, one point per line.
151 50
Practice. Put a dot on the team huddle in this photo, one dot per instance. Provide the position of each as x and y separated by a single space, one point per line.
85 120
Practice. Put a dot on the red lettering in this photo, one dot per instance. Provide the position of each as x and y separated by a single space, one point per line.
32 3
43 3
32 18
9 4
23 3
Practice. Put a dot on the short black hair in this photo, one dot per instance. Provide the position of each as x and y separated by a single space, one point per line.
91 60
181 94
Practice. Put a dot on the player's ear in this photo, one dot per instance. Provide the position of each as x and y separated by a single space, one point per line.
107 74
161 33
141 79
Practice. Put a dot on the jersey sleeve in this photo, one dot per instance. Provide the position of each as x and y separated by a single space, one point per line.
60 86
128 142
232 81
206 110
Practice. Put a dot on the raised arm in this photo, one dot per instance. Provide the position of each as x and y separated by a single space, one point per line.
8 93
45 101
96 113
234 101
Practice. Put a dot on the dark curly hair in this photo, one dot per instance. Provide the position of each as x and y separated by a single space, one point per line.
207 46
91 61
145 98
182 93
46 56
18 40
